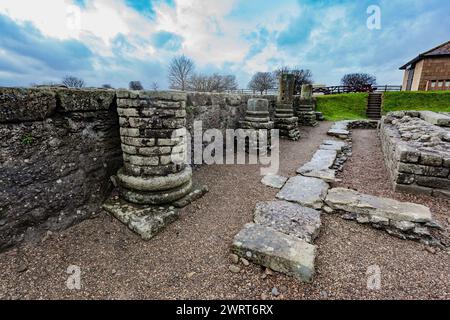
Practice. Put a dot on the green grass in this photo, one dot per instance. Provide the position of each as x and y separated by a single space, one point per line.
348 106
417 100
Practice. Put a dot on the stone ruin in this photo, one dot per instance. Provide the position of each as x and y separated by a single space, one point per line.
155 171
282 234
416 147
257 117
285 120
305 106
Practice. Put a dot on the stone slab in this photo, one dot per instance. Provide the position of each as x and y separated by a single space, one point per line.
339 129
146 221
355 202
289 218
328 175
333 145
435 118
322 160
274 181
306 191
275 250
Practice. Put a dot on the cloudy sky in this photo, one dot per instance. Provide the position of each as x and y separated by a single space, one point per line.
115 41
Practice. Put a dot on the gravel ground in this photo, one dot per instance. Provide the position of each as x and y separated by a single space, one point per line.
190 259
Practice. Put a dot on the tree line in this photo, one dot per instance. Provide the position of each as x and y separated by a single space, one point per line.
182 76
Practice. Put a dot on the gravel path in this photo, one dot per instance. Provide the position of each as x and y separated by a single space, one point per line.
190 259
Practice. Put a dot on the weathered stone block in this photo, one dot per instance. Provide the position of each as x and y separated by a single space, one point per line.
274 181
289 218
26 104
275 250
433 182
157 183
355 202
306 191
430 159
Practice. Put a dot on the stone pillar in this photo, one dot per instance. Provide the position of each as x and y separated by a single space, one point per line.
153 133
257 117
285 120
304 107
155 177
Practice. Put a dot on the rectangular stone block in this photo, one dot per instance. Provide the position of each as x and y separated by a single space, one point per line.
141 161
276 250
412 188
306 191
430 159
354 202
423 170
154 151
170 142
138 142
433 182
405 154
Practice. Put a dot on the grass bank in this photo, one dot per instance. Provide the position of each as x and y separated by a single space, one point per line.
438 101
348 106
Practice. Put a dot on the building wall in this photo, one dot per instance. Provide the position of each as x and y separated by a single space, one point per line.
417 75
405 80
434 69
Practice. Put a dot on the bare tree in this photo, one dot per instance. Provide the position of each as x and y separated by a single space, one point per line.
359 81
212 83
135 85
180 69
262 81
73 82
155 86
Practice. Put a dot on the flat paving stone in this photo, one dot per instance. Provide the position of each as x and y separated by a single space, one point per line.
306 191
328 175
333 145
147 221
274 181
354 202
339 129
289 218
275 250
320 165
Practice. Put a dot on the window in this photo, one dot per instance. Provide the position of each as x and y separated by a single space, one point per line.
433 84
447 83
440 84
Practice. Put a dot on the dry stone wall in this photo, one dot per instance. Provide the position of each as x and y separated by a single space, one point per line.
417 154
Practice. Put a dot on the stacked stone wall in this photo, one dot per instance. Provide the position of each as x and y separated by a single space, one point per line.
417 154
